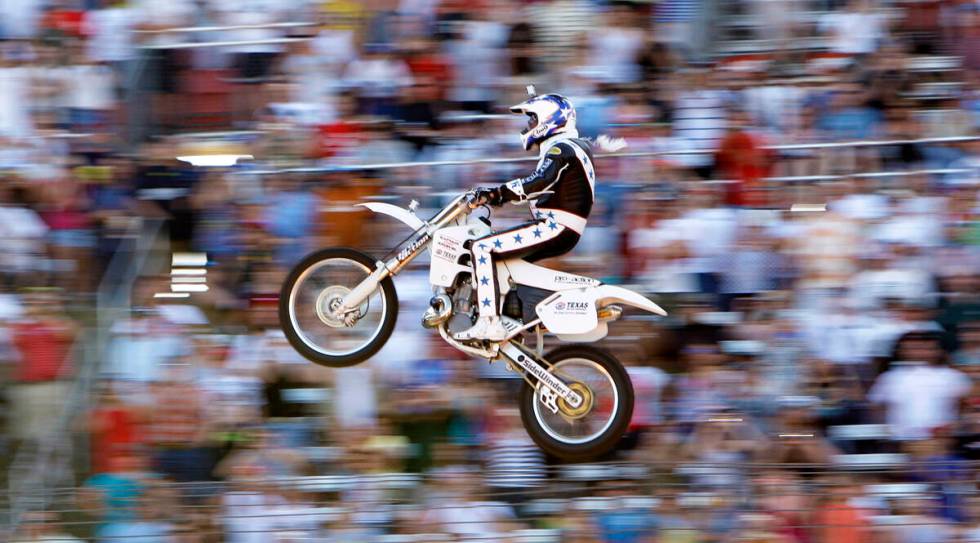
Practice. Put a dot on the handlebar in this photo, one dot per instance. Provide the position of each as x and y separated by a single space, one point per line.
465 203
474 200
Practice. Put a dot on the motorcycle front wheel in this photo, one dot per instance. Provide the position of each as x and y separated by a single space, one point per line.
311 292
595 427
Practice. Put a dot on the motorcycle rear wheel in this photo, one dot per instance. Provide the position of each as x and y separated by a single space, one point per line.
307 298
594 428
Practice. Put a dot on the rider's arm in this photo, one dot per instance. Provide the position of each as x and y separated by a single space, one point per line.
540 180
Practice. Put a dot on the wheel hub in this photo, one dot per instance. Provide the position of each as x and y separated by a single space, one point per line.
583 408
329 301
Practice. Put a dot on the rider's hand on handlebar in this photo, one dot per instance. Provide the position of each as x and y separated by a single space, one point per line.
484 196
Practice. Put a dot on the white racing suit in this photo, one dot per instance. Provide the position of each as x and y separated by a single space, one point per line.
567 178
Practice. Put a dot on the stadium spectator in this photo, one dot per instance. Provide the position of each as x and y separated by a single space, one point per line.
918 392
42 341
782 326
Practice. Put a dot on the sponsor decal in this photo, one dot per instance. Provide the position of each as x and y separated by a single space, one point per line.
571 308
404 253
510 325
443 254
448 243
554 151
565 279
544 376
446 248
541 167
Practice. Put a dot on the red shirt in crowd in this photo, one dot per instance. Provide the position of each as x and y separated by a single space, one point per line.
43 347
333 137
741 158
67 21
114 432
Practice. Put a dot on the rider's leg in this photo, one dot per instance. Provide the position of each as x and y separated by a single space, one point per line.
515 242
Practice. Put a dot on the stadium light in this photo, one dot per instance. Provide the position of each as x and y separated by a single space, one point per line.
184 287
802 208
189 259
188 271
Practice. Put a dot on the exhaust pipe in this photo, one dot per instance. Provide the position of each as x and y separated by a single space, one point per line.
439 311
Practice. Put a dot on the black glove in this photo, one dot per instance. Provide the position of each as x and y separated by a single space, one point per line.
493 196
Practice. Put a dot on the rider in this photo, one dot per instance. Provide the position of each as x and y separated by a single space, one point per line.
563 187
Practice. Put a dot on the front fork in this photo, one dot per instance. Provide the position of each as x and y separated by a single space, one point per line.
356 297
362 291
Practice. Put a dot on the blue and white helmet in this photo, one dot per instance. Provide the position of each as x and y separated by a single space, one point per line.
548 115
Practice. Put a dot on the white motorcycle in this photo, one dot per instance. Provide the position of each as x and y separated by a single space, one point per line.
338 308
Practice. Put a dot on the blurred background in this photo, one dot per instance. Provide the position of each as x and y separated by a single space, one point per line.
816 380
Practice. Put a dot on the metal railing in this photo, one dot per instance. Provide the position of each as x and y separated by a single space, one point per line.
224 43
226 28
622 154
38 467
583 491
221 28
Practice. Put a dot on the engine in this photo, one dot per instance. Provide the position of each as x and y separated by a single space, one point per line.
464 308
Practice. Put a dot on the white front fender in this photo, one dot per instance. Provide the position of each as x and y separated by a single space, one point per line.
607 294
399 213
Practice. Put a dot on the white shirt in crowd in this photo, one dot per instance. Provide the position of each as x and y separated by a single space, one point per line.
88 86
870 288
141 350
21 238
478 60
706 233
844 338
110 34
921 229
470 519
853 32
231 398
918 398
251 13
354 388
709 234
649 383
660 275
335 48
165 14
20 18
775 107
250 352
865 207
378 77
700 121
15 101
249 517
514 461
613 52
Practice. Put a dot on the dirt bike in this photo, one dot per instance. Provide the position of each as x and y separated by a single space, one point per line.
338 308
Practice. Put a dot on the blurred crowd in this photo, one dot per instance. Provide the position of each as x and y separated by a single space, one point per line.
816 380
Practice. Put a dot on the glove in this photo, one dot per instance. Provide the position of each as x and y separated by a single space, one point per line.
493 196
